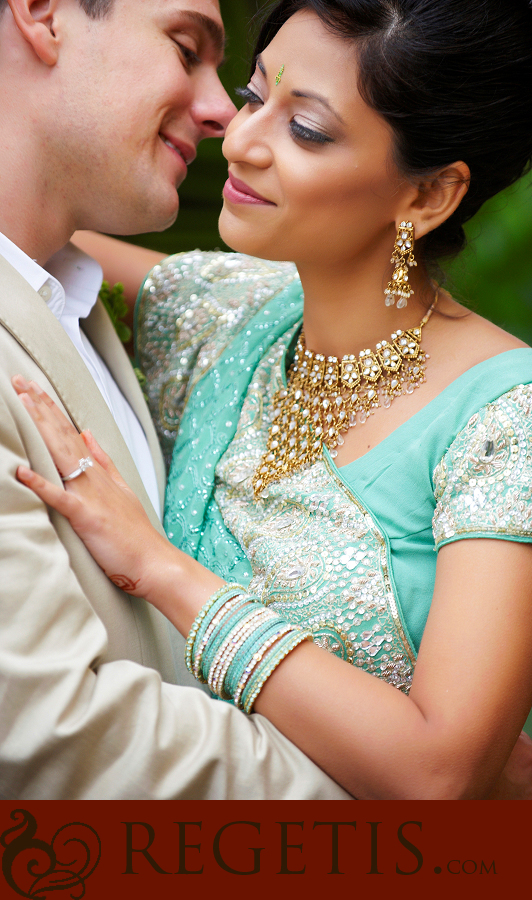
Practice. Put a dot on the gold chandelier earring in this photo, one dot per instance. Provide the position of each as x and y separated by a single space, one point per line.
403 257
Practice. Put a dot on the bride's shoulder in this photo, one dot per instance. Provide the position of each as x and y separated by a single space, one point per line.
490 339
215 270
460 339
199 290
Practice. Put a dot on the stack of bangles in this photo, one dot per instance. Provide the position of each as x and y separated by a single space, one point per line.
236 643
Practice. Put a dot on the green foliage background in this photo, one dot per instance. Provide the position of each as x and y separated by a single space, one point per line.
493 276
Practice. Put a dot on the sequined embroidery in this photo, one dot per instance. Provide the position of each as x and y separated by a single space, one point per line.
189 309
483 484
315 551
317 556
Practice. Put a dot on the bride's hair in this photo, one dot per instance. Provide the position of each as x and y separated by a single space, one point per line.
453 79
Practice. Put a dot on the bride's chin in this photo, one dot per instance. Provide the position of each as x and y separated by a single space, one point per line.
242 237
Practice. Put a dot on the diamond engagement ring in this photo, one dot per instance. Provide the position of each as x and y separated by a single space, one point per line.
83 465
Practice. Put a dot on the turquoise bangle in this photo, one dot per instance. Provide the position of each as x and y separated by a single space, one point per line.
212 609
242 635
268 666
225 614
247 652
205 609
251 668
222 631
246 644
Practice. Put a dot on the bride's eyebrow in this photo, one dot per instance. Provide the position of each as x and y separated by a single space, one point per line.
308 95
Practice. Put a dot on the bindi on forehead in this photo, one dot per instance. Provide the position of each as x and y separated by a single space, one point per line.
306 94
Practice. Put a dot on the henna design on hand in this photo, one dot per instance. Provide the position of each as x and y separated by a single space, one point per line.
122 581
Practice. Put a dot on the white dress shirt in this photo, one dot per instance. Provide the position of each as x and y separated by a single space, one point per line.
70 286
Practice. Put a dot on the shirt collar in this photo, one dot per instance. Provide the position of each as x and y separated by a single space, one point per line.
28 268
69 284
81 278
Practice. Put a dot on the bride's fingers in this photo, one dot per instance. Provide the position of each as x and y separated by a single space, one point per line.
45 405
102 459
65 444
64 450
63 501
37 394
98 490
63 441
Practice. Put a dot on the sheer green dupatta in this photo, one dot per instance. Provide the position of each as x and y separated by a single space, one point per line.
203 322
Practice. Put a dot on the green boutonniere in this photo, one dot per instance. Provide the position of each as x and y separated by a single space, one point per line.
115 304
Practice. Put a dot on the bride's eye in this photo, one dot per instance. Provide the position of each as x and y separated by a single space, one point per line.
302 133
248 95
299 132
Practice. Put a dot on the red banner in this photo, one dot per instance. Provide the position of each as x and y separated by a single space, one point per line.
101 850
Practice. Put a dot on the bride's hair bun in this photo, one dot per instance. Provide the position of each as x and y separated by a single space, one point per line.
452 78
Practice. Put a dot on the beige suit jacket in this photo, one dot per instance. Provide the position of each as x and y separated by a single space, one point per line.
89 707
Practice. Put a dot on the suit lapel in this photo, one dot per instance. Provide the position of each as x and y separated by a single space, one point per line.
25 315
102 335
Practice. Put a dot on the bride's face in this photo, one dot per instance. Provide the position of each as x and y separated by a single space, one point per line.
311 172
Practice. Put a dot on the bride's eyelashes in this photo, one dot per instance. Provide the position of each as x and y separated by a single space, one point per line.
248 95
300 132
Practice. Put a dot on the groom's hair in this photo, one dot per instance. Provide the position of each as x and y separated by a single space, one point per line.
96 9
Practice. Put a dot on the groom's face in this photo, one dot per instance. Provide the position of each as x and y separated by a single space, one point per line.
142 90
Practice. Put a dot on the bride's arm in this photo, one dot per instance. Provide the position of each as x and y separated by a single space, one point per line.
471 690
119 260
449 739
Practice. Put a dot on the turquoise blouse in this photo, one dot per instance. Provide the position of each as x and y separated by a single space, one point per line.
348 552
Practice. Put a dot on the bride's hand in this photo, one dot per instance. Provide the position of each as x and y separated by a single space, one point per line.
100 506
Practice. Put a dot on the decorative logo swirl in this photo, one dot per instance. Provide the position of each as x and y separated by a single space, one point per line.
34 868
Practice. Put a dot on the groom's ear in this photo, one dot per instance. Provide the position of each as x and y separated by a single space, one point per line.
35 21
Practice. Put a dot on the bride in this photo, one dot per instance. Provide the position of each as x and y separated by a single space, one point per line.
326 451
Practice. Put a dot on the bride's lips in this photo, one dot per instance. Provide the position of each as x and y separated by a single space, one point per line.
237 191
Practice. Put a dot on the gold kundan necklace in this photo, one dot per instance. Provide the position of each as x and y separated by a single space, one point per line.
325 396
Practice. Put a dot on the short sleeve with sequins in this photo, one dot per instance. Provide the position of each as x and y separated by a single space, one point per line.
483 484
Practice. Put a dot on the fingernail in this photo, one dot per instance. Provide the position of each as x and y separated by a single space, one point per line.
23 473
20 382
27 400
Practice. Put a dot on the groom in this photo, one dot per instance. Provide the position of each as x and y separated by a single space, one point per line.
103 103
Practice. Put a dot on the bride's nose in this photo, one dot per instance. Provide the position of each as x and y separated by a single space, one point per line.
247 140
